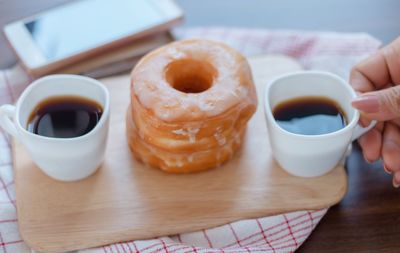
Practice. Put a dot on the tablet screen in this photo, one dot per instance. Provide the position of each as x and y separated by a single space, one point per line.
87 24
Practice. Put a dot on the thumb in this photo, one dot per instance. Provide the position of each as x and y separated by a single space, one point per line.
379 105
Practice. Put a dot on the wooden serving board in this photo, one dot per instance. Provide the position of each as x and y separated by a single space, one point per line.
126 200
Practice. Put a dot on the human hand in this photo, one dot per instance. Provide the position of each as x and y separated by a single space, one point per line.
377 79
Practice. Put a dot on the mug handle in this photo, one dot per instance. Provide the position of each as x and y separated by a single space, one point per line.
7 113
359 130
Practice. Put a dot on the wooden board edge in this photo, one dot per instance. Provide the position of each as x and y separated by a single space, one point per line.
44 249
18 204
26 236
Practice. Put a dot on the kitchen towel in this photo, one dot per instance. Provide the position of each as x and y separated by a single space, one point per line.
335 52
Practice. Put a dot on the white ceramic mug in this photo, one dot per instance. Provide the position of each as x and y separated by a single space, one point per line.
65 159
311 155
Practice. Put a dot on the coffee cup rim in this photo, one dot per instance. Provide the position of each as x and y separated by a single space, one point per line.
38 82
268 110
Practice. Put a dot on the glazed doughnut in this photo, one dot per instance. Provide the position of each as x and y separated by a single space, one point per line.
180 162
190 104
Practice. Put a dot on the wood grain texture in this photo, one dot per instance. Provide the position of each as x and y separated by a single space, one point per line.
367 219
125 200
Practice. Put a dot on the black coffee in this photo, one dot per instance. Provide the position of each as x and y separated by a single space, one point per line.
64 117
310 115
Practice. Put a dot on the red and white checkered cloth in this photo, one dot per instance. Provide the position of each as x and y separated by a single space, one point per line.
334 52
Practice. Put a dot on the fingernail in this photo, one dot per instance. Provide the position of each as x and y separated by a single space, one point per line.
368 161
395 184
364 122
385 168
366 103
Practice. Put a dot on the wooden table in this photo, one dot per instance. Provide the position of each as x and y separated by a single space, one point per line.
368 218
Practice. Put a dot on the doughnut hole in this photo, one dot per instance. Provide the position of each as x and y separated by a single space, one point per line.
190 75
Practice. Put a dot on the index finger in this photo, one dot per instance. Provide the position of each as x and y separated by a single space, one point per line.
377 71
